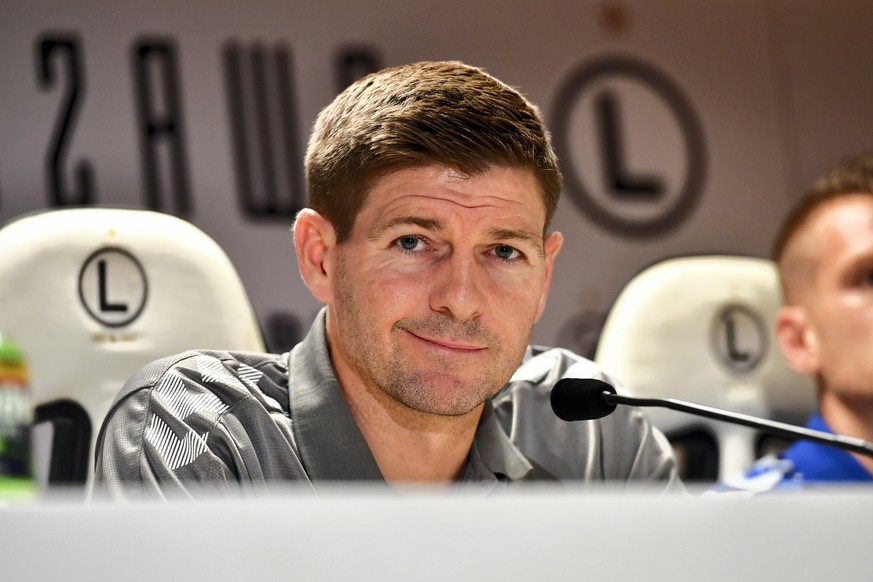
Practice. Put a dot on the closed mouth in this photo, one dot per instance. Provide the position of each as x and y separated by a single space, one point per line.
450 344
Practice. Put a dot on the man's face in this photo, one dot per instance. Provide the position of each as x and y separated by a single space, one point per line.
836 294
439 286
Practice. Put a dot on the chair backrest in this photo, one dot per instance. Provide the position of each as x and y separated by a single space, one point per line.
90 295
701 329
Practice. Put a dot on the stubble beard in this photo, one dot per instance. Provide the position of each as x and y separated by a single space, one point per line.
444 387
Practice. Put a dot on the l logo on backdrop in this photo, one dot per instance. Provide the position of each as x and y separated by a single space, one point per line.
113 287
633 154
631 145
739 338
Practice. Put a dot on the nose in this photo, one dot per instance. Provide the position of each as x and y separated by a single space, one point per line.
457 287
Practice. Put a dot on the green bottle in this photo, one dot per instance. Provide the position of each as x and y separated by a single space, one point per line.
16 417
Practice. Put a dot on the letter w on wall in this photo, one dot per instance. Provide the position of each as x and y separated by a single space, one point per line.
264 129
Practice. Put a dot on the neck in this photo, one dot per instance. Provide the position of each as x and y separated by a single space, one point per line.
850 417
411 446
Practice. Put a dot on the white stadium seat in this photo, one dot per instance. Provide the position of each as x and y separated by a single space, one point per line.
90 295
701 329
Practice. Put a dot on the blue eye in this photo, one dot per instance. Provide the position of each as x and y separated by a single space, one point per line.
505 252
408 243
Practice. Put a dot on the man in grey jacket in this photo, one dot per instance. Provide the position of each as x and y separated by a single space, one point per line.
426 236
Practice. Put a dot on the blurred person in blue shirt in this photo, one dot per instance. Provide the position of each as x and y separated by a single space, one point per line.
824 253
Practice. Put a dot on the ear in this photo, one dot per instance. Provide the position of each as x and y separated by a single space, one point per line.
315 242
797 339
551 245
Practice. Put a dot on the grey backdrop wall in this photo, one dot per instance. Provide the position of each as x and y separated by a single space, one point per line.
684 127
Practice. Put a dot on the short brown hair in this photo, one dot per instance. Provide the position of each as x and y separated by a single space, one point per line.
443 113
852 176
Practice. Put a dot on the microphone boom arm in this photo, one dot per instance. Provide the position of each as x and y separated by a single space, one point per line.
778 428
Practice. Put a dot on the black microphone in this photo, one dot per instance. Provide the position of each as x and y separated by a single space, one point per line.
590 399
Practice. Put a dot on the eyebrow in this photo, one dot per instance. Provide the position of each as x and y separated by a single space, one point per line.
859 262
525 236
425 223
431 224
